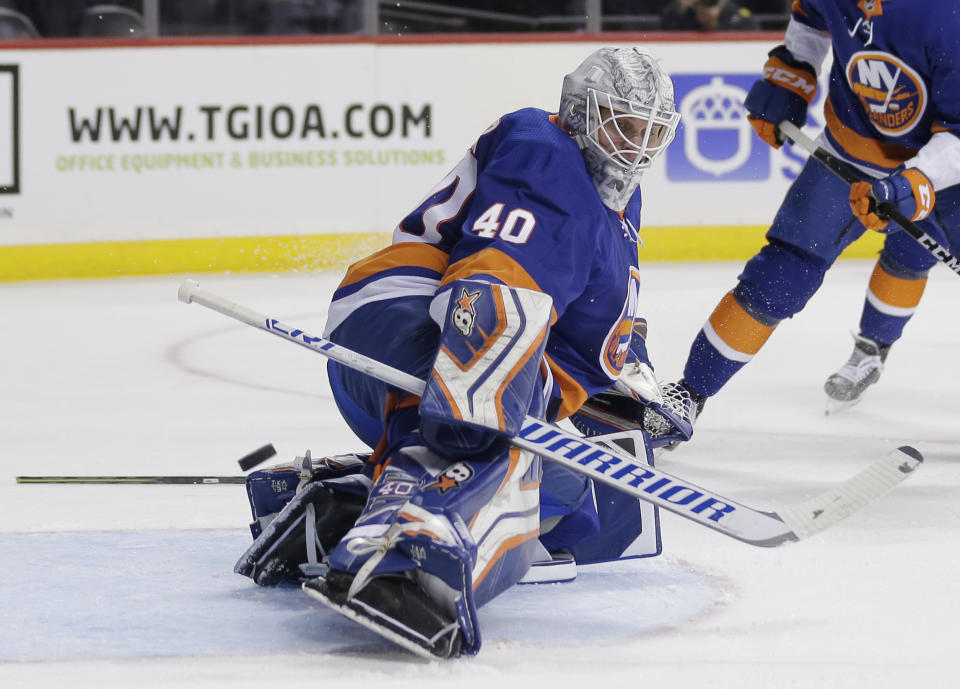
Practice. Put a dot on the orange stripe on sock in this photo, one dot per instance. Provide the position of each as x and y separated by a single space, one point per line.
737 328
902 293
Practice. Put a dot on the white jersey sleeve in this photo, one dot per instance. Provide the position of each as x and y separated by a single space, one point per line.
807 44
939 160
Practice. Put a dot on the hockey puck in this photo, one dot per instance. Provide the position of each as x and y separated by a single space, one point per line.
257 457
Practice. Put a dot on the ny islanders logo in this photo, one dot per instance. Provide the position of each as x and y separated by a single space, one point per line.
617 345
892 94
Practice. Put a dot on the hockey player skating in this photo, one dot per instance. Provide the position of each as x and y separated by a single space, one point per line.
512 289
893 114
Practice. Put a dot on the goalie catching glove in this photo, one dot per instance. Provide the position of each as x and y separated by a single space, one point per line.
664 411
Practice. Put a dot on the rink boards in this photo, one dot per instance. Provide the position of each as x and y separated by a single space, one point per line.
200 156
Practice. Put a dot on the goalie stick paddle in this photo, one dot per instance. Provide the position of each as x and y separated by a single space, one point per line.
614 467
884 210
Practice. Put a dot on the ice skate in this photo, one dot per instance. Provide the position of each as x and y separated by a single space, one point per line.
845 387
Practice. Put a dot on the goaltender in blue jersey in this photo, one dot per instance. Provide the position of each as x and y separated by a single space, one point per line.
893 116
520 210
512 289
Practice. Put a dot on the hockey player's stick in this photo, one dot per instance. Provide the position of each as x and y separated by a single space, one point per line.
616 468
884 210
248 461
195 480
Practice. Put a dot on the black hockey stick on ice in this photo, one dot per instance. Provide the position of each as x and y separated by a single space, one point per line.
616 468
884 210
248 461
114 480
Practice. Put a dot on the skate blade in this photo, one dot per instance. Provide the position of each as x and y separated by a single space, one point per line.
312 590
836 406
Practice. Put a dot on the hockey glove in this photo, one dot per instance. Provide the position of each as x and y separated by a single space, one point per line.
786 90
666 412
908 190
669 409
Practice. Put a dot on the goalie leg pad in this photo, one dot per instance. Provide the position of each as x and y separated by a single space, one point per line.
394 607
460 531
270 489
487 368
295 541
567 512
423 556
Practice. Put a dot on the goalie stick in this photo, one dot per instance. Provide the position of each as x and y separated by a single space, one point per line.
616 468
884 210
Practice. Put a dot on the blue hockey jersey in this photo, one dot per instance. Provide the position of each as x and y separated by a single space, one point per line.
521 209
895 78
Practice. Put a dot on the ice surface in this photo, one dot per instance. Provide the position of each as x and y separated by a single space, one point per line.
121 586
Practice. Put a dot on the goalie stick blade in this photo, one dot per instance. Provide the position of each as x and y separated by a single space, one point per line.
825 510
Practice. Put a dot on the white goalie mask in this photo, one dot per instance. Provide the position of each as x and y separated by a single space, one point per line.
618 105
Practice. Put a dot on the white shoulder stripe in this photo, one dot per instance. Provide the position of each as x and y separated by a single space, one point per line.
389 287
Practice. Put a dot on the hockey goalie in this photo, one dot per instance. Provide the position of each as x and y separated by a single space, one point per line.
512 289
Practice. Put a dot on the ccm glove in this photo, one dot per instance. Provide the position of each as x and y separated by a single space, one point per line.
786 90
908 190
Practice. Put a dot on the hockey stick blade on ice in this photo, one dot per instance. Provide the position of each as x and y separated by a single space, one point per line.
884 210
152 480
249 461
614 467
